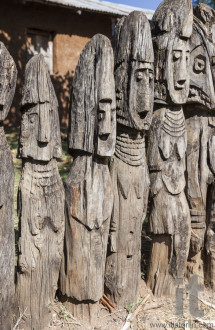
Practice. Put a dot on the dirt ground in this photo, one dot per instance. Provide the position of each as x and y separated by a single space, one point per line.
156 313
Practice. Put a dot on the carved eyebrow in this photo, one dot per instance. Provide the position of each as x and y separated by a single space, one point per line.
32 113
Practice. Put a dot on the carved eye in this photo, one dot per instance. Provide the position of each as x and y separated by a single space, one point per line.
151 76
139 75
101 116
32 118
176 55
199 64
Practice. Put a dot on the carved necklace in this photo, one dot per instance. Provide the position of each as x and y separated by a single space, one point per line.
130 148
174 123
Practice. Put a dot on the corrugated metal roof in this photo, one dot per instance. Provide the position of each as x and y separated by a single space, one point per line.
97 6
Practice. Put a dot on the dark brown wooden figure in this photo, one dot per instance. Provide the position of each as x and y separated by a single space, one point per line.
89 197
8 74
134 78
169 220
40 197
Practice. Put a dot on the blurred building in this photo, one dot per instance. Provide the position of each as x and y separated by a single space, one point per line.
59 29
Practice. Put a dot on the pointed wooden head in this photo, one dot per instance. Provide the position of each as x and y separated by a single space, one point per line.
134 78
202 58
171 31
40 128
8 75
93 106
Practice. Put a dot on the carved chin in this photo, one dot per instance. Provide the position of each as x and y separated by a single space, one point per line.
179 96
179 87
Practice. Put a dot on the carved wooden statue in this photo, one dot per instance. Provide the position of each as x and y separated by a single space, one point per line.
134 80
8 74
89 197
169 220
40 197
200 124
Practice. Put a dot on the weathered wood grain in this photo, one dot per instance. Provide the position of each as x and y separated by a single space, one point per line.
169 220
41 197
8 75
89 196
200 122
134 94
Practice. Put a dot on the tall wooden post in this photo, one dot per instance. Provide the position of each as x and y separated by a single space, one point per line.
8 75
40 197
200 121
169 220
89 196
134 78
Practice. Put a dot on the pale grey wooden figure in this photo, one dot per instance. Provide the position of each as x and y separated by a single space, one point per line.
89 195
40 197
134 78
8 75
200 121
169 220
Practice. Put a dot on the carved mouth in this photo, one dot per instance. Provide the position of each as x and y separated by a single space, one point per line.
42 144
180 86
196 95
104 137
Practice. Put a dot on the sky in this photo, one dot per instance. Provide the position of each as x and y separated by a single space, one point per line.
147 4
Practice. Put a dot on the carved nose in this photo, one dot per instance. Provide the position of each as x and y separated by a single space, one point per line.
44 124
44 136
105 130
143 114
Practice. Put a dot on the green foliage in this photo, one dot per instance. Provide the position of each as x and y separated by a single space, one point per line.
133 306
208 2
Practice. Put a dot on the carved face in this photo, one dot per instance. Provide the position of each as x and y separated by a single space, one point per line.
141 96
134 94
40 128
106 127
201 79
177 71
93 104
37 139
